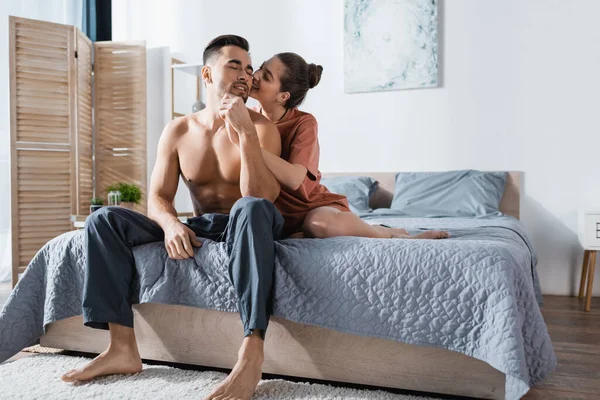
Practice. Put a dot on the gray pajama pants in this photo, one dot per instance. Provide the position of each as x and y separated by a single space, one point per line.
249 231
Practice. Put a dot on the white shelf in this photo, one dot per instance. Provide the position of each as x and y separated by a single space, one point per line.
192 69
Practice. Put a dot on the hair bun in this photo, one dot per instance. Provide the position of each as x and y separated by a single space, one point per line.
314 75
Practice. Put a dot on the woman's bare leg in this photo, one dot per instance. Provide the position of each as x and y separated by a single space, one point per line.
326 222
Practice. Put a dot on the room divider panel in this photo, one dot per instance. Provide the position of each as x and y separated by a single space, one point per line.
78 124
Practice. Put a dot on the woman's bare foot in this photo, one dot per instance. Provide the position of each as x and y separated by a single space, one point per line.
397 232
125 360
243 379
432 235
389 232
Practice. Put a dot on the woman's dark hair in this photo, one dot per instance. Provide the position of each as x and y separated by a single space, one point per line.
298 77
215 46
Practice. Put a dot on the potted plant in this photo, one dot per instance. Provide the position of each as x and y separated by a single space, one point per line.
131 194
96 204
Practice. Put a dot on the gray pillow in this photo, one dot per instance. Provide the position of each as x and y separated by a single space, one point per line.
466 193
358 190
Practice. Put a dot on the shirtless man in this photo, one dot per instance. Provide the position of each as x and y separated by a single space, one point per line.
218 153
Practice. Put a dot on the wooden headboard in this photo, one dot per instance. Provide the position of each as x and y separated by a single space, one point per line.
509 205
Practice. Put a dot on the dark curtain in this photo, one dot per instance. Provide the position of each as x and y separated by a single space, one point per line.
97 20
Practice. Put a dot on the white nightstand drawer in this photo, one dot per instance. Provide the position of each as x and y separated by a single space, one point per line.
590 235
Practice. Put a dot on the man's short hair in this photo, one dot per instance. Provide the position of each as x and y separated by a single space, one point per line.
215 46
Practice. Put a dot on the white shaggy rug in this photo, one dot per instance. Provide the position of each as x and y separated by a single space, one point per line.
38 377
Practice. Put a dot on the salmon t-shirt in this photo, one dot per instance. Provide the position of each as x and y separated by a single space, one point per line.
300 145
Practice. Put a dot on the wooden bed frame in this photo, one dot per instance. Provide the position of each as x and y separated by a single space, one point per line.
212 338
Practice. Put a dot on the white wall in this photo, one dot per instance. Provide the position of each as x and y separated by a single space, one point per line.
59 11
520 82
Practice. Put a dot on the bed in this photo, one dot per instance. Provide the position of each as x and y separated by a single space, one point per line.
364 339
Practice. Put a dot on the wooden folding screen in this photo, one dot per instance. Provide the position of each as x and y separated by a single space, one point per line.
84 144
53 175
120 115
42 86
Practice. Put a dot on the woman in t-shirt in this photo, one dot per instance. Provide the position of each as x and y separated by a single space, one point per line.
280 86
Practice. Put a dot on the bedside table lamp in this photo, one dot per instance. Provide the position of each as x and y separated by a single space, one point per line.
589 236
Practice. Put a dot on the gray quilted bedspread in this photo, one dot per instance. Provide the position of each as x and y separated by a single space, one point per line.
476 293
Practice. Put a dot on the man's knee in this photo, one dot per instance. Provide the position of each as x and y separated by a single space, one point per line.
252 207
102 216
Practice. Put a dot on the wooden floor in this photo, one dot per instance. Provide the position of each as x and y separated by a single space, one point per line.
575 335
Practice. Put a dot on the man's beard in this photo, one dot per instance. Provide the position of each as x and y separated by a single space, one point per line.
244 97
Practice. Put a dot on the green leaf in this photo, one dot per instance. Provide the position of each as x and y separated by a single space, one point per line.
130 193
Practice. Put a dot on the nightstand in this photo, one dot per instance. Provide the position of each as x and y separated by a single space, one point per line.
589 236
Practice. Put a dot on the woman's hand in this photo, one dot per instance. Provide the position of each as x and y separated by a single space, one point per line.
179 240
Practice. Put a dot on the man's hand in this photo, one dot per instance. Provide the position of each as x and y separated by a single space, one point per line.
235 113
234 136
179 240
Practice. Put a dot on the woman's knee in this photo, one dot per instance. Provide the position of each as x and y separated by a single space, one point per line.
321 224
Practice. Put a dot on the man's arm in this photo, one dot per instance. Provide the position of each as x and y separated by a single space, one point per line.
255 177
163 187
165 179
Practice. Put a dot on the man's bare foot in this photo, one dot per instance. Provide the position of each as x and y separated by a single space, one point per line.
110 362
432 235
241 382
243 379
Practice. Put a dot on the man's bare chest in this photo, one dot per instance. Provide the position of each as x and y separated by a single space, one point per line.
205 159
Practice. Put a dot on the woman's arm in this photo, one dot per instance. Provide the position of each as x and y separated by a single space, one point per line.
288 175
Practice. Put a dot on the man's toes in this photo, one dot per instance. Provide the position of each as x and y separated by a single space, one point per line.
71 376
66 377
214 394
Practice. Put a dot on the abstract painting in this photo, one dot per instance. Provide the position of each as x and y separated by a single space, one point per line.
390 45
